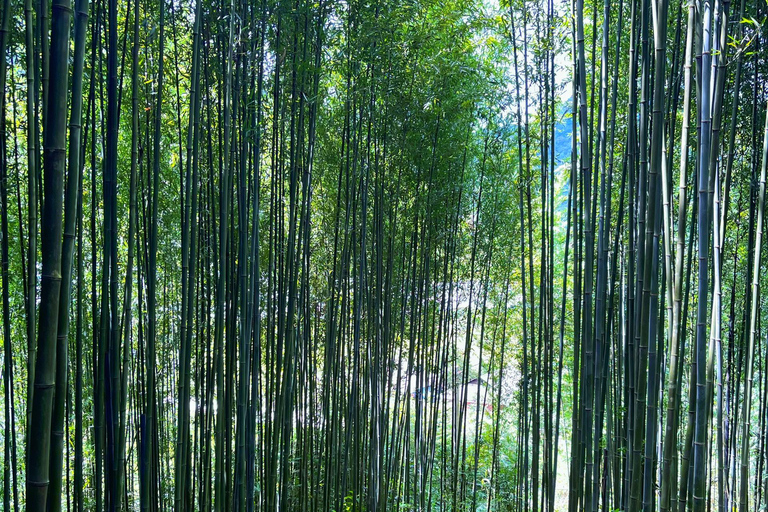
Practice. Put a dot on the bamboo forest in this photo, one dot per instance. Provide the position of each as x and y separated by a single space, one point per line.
384 255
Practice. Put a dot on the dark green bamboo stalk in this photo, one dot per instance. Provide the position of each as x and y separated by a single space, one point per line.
38 472
32 200
74 176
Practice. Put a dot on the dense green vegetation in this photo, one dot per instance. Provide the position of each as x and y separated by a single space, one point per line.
387 255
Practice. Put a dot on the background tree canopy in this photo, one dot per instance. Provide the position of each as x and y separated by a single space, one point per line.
369 255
